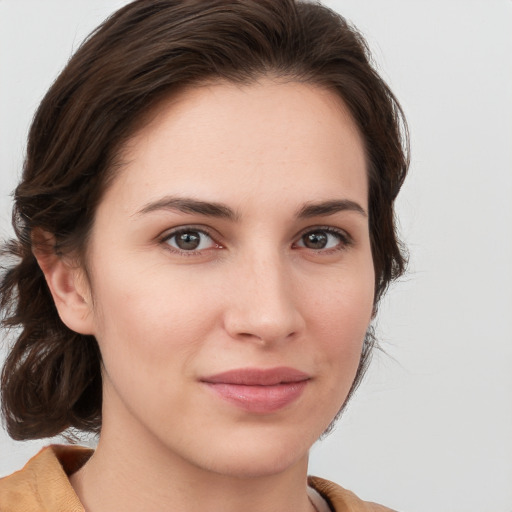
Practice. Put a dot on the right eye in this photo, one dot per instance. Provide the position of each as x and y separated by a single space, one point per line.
190 240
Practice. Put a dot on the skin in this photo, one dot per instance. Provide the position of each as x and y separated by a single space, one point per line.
253 295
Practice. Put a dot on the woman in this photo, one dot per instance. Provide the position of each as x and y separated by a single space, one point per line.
204 230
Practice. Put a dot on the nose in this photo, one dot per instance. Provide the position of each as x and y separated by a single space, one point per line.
263 306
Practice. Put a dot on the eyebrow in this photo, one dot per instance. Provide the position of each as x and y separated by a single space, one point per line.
219 210
326 208
189 205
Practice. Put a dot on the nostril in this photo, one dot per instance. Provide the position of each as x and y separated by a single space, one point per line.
262 332
264 308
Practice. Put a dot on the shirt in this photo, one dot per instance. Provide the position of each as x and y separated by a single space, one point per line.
43 486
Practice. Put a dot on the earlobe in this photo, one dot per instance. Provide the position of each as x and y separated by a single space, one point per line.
67 284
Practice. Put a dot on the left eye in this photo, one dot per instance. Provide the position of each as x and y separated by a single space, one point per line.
190 240
322 239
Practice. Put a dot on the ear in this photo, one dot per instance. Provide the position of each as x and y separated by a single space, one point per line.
67 283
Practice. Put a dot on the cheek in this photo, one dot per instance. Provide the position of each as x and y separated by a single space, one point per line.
147 316
341 316
344 302
341 324
156 319
149 336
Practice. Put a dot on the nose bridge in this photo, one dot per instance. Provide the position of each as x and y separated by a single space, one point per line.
263 306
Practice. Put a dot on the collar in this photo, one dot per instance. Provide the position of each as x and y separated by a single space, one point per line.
43 485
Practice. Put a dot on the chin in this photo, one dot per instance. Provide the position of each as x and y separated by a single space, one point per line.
261 456
250 467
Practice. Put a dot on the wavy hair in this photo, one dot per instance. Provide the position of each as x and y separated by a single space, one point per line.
147 51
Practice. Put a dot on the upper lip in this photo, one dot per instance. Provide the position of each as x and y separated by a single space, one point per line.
258 376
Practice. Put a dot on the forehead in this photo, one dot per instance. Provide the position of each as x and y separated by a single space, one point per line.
218 138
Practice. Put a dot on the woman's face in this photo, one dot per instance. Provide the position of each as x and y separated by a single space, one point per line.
231 276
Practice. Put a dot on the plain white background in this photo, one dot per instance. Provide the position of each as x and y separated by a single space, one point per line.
431 428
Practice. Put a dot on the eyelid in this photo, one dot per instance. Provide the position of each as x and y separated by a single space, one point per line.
346 239
170 233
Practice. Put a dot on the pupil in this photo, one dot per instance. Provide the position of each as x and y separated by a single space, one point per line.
188 241
315 240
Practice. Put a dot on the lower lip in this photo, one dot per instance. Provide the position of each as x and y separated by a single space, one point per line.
260 399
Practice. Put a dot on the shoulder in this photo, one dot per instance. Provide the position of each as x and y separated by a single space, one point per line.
341 500
43 482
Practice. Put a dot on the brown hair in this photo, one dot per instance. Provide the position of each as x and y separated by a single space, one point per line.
148 50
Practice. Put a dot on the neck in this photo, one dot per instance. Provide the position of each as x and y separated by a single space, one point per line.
131 473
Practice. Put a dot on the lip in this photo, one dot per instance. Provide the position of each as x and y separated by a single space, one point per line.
259 390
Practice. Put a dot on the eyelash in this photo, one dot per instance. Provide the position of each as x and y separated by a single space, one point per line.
345 241
188 229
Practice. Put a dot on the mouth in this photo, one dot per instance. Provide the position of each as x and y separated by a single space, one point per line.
259 390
